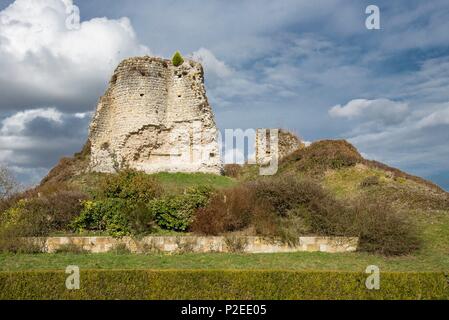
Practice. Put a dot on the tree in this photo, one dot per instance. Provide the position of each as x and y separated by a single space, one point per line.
8 185
177 59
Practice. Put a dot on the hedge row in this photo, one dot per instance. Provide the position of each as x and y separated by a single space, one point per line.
202 284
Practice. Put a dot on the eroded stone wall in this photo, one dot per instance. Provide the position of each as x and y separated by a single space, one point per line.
155 117
278 141
200 244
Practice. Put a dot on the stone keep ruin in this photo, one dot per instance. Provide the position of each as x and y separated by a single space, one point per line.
155 117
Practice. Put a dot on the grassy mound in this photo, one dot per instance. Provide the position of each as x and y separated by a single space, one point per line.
326 189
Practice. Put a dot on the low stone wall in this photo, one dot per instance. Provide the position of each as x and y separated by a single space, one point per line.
201 244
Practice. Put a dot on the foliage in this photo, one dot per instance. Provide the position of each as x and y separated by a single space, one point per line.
39 216
322 156
232 170
289 206
175 212
287 192
370 182
108 215
220 284
384 230
130 185
120 249
177 59
8 185
227 211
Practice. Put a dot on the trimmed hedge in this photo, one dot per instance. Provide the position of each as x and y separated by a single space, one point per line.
227 285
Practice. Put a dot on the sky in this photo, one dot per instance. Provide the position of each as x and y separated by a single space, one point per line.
308 66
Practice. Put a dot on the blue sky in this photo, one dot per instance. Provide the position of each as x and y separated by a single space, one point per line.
311 67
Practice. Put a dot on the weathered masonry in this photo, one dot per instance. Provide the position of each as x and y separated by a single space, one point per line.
155 117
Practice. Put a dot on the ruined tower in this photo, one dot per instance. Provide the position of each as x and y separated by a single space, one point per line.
155 117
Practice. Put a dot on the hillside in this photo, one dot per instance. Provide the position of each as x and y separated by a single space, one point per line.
321 189
335 164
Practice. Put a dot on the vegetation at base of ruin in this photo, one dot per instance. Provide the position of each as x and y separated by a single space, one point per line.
324 189
220 284
177 59
289 206
432 256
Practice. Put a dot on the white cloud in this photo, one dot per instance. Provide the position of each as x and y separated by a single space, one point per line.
417 143
211 64
380 111
16 124
32 141
41 58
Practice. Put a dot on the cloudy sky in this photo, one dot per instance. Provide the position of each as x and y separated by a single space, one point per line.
308 66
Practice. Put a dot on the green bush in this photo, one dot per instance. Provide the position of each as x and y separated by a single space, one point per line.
177 59
175 212
220 284
135 186
108 215
38 216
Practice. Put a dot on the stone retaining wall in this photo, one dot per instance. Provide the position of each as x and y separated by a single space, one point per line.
201 244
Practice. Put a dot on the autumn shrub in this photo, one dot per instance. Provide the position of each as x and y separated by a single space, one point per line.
323 155
227 211
288 207
370 182
232 170
382 229
286 192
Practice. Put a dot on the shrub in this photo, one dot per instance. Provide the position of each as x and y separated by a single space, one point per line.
130 185
380 228
177 59
120 217
236 244
175 212
62 207
120 249
8 185
383 230
230 210
288 207
141 220
286 192
370 181
220 285
108 215
232 170
24 219
11 243
324 155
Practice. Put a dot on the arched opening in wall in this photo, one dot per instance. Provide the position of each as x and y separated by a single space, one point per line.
142 94
179 96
